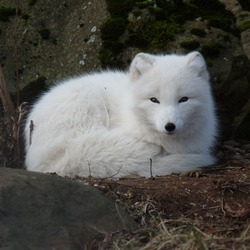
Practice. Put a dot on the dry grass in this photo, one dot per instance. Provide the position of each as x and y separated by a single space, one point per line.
207 212
185 237
10 117
10 127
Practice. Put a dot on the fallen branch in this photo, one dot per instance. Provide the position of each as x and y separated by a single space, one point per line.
12 121
8 105
151 170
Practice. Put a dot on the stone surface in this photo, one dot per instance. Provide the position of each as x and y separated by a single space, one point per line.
70 48
242 16
39 211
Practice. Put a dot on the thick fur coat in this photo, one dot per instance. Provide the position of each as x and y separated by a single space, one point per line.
114 123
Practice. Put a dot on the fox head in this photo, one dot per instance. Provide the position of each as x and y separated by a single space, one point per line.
172 93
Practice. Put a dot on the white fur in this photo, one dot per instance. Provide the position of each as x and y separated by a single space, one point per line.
105 124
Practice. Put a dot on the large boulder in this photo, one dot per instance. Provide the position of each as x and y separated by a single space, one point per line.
39 211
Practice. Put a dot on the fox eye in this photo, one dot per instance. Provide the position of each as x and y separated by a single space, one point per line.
183 99
154 99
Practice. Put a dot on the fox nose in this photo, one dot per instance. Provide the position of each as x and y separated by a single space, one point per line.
170 127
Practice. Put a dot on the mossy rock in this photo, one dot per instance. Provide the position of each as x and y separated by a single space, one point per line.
155 34
209 6
211 50
144 4
6 13
113 28
109 59
198 32
215 12
119 8
151 25
25 16
44 33
190 44
243 131
220 23
159 13
32 2
244 26
241 123
161 32
170 5
115 46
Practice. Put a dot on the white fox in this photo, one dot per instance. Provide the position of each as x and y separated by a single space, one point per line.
115 123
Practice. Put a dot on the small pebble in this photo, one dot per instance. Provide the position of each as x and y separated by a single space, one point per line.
93 30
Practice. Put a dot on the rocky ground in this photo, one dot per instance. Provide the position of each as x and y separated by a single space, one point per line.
40 212
209 209
55 40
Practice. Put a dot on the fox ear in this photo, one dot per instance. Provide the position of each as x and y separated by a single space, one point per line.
196 61
140 64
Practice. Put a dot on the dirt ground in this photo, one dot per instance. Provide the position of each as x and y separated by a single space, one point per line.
211 206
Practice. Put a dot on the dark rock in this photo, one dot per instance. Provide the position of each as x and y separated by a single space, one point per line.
245 4
233 96
39 211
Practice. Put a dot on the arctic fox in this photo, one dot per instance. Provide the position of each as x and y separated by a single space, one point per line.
158 118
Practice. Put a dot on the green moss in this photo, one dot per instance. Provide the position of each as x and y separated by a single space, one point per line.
209 62
137 12
119 8
113 28
190 44
6 13
156 23
44 33
161 32
115 46
175 11
211 50
220 23
164 4
171 5
145 4
159 13
155 34
215 12
244 14
137 39
244 26
32 2
198 32
25 16
210 6
109 59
